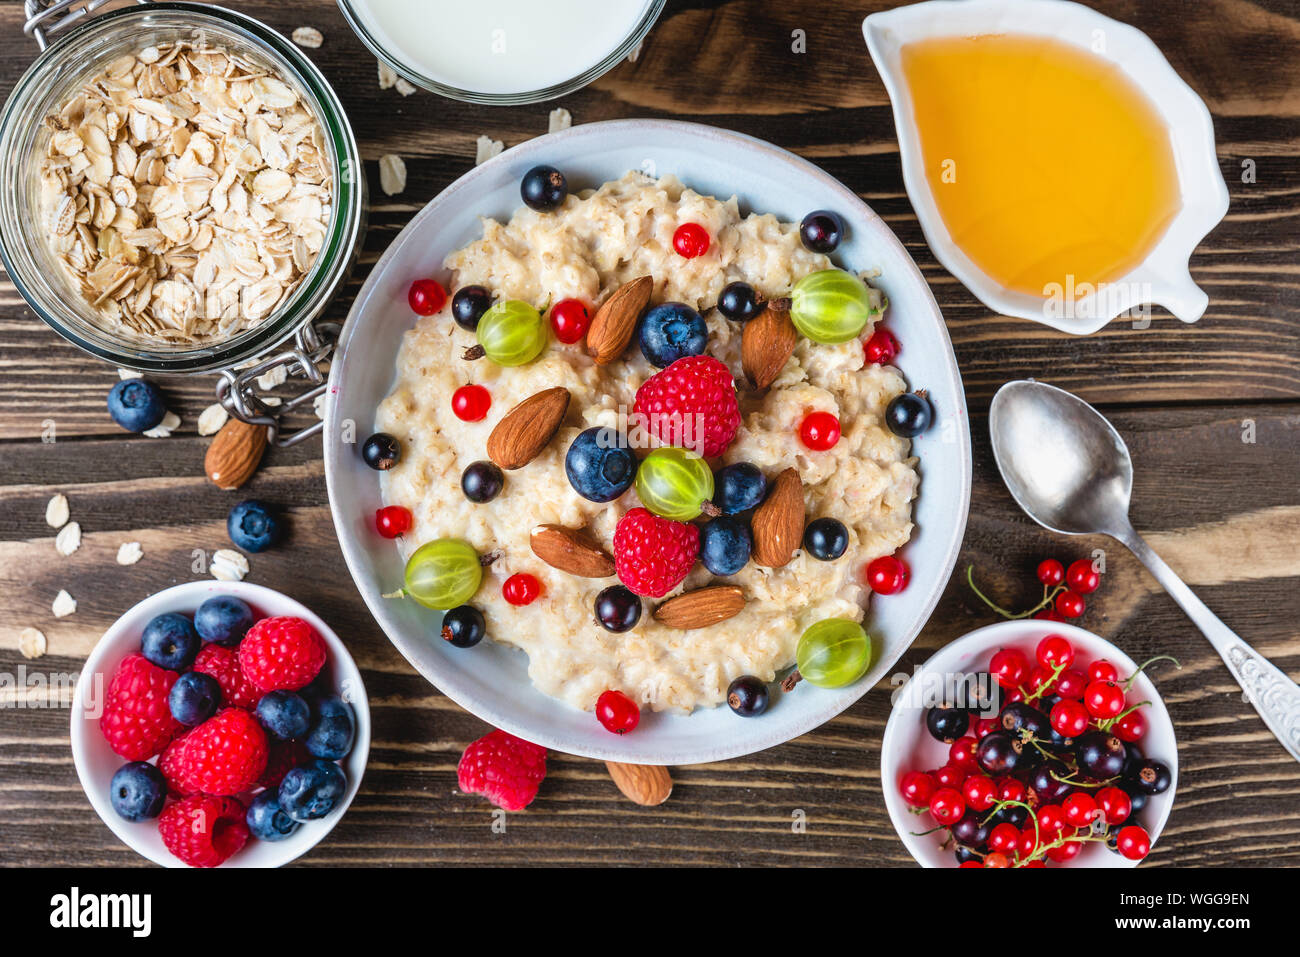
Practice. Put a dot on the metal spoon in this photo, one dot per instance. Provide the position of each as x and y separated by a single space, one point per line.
1068 468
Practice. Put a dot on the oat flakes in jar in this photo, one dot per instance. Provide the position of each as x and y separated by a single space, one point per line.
179 195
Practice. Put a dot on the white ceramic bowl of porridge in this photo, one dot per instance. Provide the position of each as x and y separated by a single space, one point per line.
492 680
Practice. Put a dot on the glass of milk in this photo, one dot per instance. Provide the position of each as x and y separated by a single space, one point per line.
501 51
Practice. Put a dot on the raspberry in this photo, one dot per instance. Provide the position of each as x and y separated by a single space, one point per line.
223 664
281 756
136 721
694 393
224 755
203 831
169 763
281 654
651 554
504 769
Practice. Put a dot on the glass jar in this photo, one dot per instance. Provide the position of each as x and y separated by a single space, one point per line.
80 53
455 38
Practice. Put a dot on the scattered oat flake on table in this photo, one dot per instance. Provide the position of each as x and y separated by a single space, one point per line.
171 421
68 540
387 76
636 53
56 511
404 87
129 374
560 119
128 553
486 148
308 37
228 565
392 174
64 604
318 405
31 642
275 376
212 419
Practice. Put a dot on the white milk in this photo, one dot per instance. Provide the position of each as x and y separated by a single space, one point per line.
499 46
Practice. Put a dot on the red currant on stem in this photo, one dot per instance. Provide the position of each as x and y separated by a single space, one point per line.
881 347
1071 683
1102 670
1051 572
617 712
947 806
1049 614
1104 699
1055 651
1082 577
1009 667
996 860
1069 718
1070 604
1004 839
1051 821
392 521
970 864
980 792
1080 809
887 575
1133 842
521 589
1131 726
819 431
570 319
1009 789
950 776
691 240
962 752
984 727
1115 805
917 788
1064 852
470 403
426 296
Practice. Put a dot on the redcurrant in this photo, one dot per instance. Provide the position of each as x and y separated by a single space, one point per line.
887 575
1082 577
521 589
1009 667
1051 821
1071 684
570 319
1009 789
950 776
947 806
1133 842
617 712
470 403
426 297
1115 805
1069 718
1102 670
392 520
996 860
984 727
980 792
1004 839
881 347
1028 841
1041 678
1049 614
917 788
1065 852
691 240
819 431
1080 809
1104 699
1070 604
1131 727
1055 652
1051 572
962 752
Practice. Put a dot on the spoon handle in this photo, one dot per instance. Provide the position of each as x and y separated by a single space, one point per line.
1275 696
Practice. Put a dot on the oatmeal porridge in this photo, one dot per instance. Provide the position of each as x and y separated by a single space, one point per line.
591 245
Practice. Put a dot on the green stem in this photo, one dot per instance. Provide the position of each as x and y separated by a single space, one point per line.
1010 616
1142 667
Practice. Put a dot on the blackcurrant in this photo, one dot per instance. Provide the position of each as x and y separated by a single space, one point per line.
909 414
381 451
1100 755
1152 777
468 306
618 609
947 723
999 753
543 188
821 231
964 854
971 831
747 696
1045 785
1020 717
826 539
738 301
463 626
482 482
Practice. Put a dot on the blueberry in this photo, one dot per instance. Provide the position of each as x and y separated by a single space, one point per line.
224 620
283 714
381 451
826 539
909 415
333 729
136 405
468 306
725 544
310 791
464 626
747 696
599 465
482 482
738 488
543 188
137 791
821 231
739 301
671 331
170 641
194 698
267 820
254 526
618 608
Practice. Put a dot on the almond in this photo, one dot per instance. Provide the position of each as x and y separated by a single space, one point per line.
701 608
571 551
526 429
612 327
767 344
646 784
234 454
778 522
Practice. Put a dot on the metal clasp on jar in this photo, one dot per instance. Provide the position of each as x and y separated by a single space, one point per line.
47 17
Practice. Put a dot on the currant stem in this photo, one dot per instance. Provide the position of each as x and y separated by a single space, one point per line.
1142 667
1047 600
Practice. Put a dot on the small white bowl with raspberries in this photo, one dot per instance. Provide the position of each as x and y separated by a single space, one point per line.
220 724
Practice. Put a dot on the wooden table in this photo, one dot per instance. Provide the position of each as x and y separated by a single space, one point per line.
1224 512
